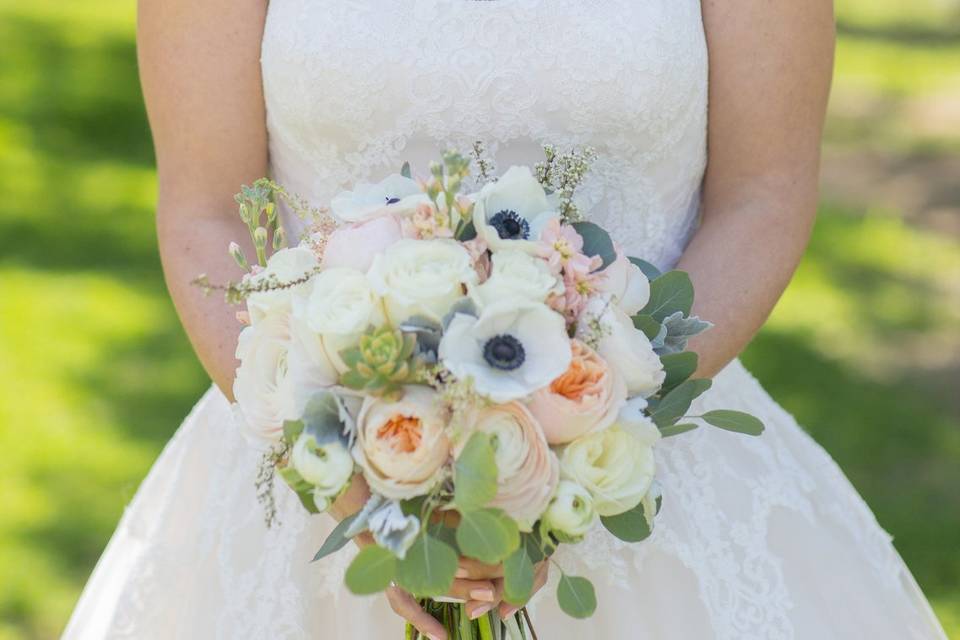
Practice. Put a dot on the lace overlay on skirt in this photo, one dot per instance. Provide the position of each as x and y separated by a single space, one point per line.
758 538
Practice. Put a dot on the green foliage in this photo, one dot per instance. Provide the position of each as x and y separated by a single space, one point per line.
678 367
674 405
488 535
428 568
630 526
670 293
596 242
371 571
677 429
475 473
336 540
648 269
517 577
736 421
576 596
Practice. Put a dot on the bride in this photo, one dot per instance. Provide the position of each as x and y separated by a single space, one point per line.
759 538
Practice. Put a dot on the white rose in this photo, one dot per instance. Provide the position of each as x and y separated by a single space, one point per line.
262 386
571 511
328 467
513 211
285 265
626 283
309 368
613 465
421 278
402 446
623 346
516 274
514 348
394 195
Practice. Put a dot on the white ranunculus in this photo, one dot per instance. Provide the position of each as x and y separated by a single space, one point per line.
395 194
285 265
402 446
328 467
627 284
513 211
262 386
623 346
421 278
613 465
516 274
514 348
571 511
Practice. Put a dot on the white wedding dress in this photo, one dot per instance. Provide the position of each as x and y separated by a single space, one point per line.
758 538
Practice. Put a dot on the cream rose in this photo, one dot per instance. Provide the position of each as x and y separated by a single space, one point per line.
262 387
527 470
515 274
285 265
571 511
402 446
585 398
421 278
623 346
626 283
613 465
328 467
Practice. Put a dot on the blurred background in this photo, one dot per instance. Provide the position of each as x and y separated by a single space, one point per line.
95 373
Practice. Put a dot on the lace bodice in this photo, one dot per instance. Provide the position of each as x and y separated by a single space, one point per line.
354 88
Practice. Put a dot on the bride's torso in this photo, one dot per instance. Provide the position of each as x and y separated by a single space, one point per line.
356 87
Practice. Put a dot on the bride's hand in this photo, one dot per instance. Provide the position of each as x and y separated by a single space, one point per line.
475 570
480 595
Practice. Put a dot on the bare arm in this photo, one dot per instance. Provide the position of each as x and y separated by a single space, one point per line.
200 70
770 71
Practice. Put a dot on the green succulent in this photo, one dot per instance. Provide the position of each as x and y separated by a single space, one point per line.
381 362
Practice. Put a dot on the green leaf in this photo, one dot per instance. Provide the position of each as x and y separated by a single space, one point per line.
428 568
371 571
531 542
596 242
475 473
675 404
576 596
488 535
443 533
677 429
630 526
671 292
678 367
292 430
650 327
648 269
737 421
405 170
517 577
336 540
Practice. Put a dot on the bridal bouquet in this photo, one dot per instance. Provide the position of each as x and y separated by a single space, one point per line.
495 367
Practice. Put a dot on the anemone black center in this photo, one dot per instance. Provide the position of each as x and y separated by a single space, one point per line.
503 352
510 226
392 200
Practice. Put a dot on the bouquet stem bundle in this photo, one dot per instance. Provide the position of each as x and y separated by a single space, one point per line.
490 626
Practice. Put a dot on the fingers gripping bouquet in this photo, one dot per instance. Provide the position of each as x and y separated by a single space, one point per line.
497 369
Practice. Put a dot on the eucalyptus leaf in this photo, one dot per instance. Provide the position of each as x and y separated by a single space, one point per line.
428 568
678 367
630 526
517 577
475 473
596 242
674 405
671 292
736 421
576 596
532 543
650 327
677 429
337 539
648 269
487 535
371 571
405 170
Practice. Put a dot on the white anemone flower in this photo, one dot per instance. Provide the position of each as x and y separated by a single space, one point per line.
513 211
512 349
395 194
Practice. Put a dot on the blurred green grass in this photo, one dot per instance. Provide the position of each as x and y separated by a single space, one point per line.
95 373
